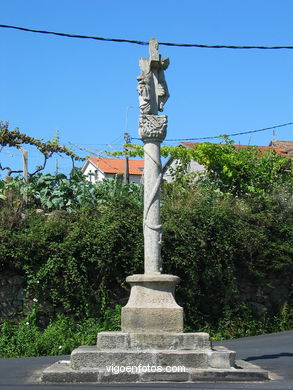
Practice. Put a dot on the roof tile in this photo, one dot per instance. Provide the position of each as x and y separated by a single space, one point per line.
116 165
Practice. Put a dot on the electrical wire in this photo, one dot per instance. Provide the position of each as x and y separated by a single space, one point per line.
136 42
228 135
74 35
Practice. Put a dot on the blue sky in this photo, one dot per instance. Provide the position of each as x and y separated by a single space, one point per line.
82 88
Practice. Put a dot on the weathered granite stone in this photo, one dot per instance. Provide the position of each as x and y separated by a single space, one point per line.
170 341
151 306
221 358
152 87
62 372
113 340
165 376
153 341
152 127
89 357
195 359
121 377
229 375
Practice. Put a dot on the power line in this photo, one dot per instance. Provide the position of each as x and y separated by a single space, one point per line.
228 135
74 35
136 42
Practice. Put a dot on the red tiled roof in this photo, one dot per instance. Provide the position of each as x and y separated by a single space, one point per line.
116 165
278 150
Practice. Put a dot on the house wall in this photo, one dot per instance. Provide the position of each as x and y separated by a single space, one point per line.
135 179
192 167
132 178
93 174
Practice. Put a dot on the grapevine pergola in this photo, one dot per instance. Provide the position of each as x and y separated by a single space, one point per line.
14 138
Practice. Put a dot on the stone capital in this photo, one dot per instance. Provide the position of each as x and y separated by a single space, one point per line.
153 127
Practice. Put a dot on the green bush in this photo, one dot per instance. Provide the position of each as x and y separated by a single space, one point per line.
75 261
214 242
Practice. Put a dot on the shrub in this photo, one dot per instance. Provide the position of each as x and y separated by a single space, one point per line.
216 243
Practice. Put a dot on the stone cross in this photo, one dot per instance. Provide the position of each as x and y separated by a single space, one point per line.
151 321
152 87
153 93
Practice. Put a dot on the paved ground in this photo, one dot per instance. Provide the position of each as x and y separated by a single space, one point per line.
272 352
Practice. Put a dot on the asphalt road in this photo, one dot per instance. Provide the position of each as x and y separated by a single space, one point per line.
273 352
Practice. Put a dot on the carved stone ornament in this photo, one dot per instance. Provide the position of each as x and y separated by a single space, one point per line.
153 127
152 87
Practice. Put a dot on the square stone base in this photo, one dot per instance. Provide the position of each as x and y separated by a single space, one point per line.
155 357
62 372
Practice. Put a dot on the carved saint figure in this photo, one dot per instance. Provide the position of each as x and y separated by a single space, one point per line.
144 94
152 87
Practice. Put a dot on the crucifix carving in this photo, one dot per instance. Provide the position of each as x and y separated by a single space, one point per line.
152 87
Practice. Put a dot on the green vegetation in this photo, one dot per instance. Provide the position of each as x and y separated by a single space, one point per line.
59 337
218 245
75 243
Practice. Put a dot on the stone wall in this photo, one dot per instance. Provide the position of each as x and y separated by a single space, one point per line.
261 298
11 295
265 297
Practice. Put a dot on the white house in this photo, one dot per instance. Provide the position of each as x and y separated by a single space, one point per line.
99 168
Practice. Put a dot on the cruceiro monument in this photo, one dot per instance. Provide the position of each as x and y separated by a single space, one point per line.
151 346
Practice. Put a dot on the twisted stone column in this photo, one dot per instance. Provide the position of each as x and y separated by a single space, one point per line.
152 130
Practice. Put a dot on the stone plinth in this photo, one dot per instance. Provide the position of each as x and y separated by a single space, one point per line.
90 358
154 341
151 306
90 365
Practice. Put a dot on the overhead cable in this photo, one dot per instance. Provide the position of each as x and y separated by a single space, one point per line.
227 135
136 42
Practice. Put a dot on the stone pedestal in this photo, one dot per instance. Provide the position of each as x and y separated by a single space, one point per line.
151 306
152 346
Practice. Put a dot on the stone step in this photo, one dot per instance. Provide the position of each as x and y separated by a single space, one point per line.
158 341
90 357
62 372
